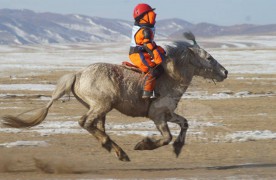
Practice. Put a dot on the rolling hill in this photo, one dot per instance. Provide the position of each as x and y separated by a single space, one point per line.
29 27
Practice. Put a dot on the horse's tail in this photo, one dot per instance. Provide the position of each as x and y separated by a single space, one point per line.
64 86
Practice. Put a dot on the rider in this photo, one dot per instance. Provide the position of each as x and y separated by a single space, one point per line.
144 53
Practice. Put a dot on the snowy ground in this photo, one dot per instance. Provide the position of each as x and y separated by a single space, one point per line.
233 121
238 54
254 55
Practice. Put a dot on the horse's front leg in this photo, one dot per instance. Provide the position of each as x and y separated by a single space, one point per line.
160 112
180 140
151 143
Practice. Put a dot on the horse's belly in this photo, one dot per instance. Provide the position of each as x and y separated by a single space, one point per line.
134 110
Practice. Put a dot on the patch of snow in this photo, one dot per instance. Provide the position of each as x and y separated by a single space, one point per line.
31 87
224 95
53 35
259 41
69 56
256 78
78 16
7 107
57 125
140 128
139 132
17 41
21 78
24 143
175 26
89 20
247 60
17 30
125 24
242 136
41 97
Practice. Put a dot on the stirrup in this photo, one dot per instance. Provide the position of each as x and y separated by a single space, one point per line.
149 94
153 96
146 94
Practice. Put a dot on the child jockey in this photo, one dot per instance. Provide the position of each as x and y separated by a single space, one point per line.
144 53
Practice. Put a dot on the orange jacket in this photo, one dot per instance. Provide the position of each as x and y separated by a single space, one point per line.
142 42
144 52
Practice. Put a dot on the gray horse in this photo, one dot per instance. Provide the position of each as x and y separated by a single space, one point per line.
102 86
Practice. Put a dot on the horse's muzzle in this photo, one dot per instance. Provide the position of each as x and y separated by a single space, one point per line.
221 74
225 72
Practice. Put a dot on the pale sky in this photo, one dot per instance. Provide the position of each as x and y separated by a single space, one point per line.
220 12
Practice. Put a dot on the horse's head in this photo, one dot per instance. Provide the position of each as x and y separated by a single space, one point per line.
185 55
207 66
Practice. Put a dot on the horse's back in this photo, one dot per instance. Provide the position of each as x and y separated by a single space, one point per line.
97 83
112 85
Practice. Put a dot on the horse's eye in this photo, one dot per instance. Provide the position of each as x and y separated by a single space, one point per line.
210 58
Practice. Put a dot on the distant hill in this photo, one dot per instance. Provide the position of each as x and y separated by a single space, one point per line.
28 27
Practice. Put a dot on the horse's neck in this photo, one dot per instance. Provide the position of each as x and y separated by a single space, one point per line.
172 87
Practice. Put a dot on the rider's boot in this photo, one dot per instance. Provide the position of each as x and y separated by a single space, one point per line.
149 86
150 94
146 94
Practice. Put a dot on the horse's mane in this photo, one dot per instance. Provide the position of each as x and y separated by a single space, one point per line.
179 52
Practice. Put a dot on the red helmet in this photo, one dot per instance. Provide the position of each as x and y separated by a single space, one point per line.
141 9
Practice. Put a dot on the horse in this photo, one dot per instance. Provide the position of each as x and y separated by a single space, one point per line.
102 87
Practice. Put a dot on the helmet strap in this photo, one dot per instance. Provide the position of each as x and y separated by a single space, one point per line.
137 21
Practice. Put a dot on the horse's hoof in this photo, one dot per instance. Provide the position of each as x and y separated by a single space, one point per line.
177 147
139 146
122 156
145 144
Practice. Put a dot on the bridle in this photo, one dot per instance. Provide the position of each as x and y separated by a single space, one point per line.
199 65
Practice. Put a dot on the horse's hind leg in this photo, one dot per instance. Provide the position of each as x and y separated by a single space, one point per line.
94 122
101 124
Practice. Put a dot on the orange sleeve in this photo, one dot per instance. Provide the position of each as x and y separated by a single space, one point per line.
144 37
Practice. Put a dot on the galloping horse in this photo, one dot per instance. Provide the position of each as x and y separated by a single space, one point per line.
102 86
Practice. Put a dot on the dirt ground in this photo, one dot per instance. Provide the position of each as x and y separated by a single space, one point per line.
206 156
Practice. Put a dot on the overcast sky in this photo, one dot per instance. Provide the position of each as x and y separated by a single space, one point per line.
220 12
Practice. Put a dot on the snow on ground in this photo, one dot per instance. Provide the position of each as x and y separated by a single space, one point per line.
253 55
242 136
204 95
256 55
243 41
146 128
31 87
33 59
245 55
224 95
247 60
24 143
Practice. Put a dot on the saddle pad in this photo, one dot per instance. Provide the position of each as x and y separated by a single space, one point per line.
130 66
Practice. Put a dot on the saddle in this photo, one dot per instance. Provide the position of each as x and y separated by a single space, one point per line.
130 66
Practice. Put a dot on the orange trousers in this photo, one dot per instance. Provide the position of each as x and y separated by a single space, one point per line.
143 61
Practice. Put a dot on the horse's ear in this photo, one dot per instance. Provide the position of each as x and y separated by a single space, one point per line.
191 49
